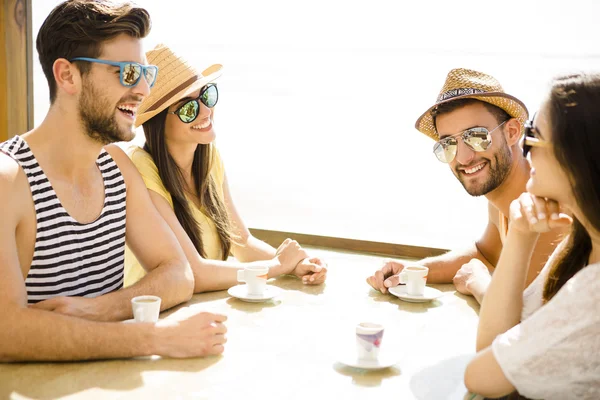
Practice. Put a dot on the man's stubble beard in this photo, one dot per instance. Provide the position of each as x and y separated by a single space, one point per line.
497 174
98 117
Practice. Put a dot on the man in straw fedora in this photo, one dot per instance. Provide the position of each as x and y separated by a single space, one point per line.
477 129
69 206
186 179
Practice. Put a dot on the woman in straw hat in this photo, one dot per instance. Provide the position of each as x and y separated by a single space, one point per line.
547 344
184 173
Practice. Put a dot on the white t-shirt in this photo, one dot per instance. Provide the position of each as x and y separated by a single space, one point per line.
554 353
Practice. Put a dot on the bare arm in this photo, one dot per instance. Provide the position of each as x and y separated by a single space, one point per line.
154 245
502 306
312 270
211 275
443 268
247 248
485 377
474 277
30 334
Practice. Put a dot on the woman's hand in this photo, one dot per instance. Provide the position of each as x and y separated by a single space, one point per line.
532 214
289 255
312 271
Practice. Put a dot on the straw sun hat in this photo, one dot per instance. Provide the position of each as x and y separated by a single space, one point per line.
464 83
176 79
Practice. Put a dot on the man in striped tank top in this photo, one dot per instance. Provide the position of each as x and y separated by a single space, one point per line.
69 205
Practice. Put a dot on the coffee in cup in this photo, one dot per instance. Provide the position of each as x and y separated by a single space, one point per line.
146 308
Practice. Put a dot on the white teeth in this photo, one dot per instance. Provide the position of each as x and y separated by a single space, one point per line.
132 109
203 125
475 169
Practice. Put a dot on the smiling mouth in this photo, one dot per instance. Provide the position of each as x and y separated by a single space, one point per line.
205 124
473 170
128 110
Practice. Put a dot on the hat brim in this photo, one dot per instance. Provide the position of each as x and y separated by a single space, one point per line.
513 106
209 75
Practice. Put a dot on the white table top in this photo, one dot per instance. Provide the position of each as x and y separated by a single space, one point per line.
287 348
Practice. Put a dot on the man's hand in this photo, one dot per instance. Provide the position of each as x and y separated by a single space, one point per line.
312 271
79 307
197 336
473 278
387 276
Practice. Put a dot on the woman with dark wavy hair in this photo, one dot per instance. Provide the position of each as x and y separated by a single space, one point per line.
546 342
186 179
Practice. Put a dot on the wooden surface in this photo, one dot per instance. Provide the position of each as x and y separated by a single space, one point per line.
16 110
275 238
287 348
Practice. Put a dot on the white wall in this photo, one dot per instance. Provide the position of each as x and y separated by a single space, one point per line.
319 99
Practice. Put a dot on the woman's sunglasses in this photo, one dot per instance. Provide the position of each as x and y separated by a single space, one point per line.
129 72
478 139
529 139
188 112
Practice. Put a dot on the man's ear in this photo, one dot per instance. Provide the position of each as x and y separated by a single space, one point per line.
513 130
67 76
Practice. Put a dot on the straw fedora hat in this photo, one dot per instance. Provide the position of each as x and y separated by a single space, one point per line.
176 79
465 83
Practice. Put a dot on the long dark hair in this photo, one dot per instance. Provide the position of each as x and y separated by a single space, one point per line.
205 190
575 122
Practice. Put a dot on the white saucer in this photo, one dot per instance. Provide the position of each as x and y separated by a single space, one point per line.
385 360
241 292
428 295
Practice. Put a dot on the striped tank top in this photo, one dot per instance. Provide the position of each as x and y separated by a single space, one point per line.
70 258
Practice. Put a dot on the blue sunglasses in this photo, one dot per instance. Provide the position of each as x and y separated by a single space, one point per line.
129 72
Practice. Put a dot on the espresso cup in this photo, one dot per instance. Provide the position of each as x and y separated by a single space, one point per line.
368 340
255 278
146 308
415 278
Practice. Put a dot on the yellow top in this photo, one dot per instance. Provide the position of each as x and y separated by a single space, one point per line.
210 238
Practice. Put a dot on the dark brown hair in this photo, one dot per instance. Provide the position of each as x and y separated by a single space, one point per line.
450 106
575 122
206 191
77 28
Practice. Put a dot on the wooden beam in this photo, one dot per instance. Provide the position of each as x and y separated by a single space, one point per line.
16 83
274 238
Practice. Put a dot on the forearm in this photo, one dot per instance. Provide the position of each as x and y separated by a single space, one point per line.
503 302
443 268
253 249
172 281
212 275
30 334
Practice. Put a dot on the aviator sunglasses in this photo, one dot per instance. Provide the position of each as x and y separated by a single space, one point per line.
529 139
188 112
477 139
129 72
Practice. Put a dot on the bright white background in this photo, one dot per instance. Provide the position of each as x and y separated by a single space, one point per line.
319 99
